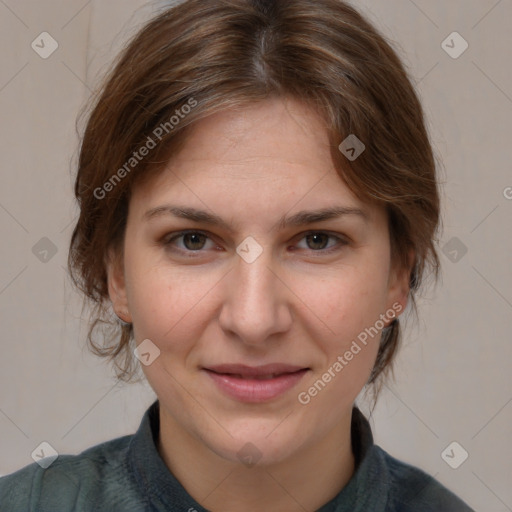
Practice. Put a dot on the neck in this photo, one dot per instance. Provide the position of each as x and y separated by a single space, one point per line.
308 479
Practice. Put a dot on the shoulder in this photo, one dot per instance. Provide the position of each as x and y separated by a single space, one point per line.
413 490
71 482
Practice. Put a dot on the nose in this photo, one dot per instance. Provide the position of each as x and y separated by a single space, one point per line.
256 301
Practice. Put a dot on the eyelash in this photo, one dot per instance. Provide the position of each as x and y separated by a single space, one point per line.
168 240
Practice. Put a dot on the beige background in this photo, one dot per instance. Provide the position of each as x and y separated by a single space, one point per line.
453 373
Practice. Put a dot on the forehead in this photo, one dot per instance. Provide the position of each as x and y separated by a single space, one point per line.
278 128
272 155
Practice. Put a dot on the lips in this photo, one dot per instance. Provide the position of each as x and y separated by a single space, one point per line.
255 383
255 372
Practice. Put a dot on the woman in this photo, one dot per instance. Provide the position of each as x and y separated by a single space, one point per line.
258 206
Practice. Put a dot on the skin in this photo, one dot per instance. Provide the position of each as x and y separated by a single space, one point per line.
296 303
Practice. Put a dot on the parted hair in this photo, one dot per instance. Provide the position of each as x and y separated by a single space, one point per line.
221 54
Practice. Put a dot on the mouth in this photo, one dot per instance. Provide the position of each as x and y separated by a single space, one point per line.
257 383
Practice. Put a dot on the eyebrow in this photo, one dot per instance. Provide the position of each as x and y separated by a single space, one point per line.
301 218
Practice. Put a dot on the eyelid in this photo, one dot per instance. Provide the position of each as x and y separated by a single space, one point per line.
340 236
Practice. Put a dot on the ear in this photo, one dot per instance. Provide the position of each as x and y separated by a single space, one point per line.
117 284
399 284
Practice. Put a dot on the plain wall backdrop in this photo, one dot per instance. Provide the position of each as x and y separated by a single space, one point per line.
453 381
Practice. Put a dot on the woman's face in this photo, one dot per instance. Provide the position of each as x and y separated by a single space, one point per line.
254 284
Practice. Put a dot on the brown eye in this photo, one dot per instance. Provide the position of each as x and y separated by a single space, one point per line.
194 241
318 241
187 242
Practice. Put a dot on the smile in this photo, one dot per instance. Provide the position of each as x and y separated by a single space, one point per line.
255 384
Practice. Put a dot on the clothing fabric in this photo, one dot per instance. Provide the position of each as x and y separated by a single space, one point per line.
127 474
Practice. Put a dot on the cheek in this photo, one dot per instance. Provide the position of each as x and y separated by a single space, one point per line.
160 300
348 341
170 306
351 301
351 304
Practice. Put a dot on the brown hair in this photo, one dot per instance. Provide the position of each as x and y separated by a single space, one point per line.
220 54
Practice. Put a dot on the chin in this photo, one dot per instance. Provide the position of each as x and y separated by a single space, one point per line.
257 442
